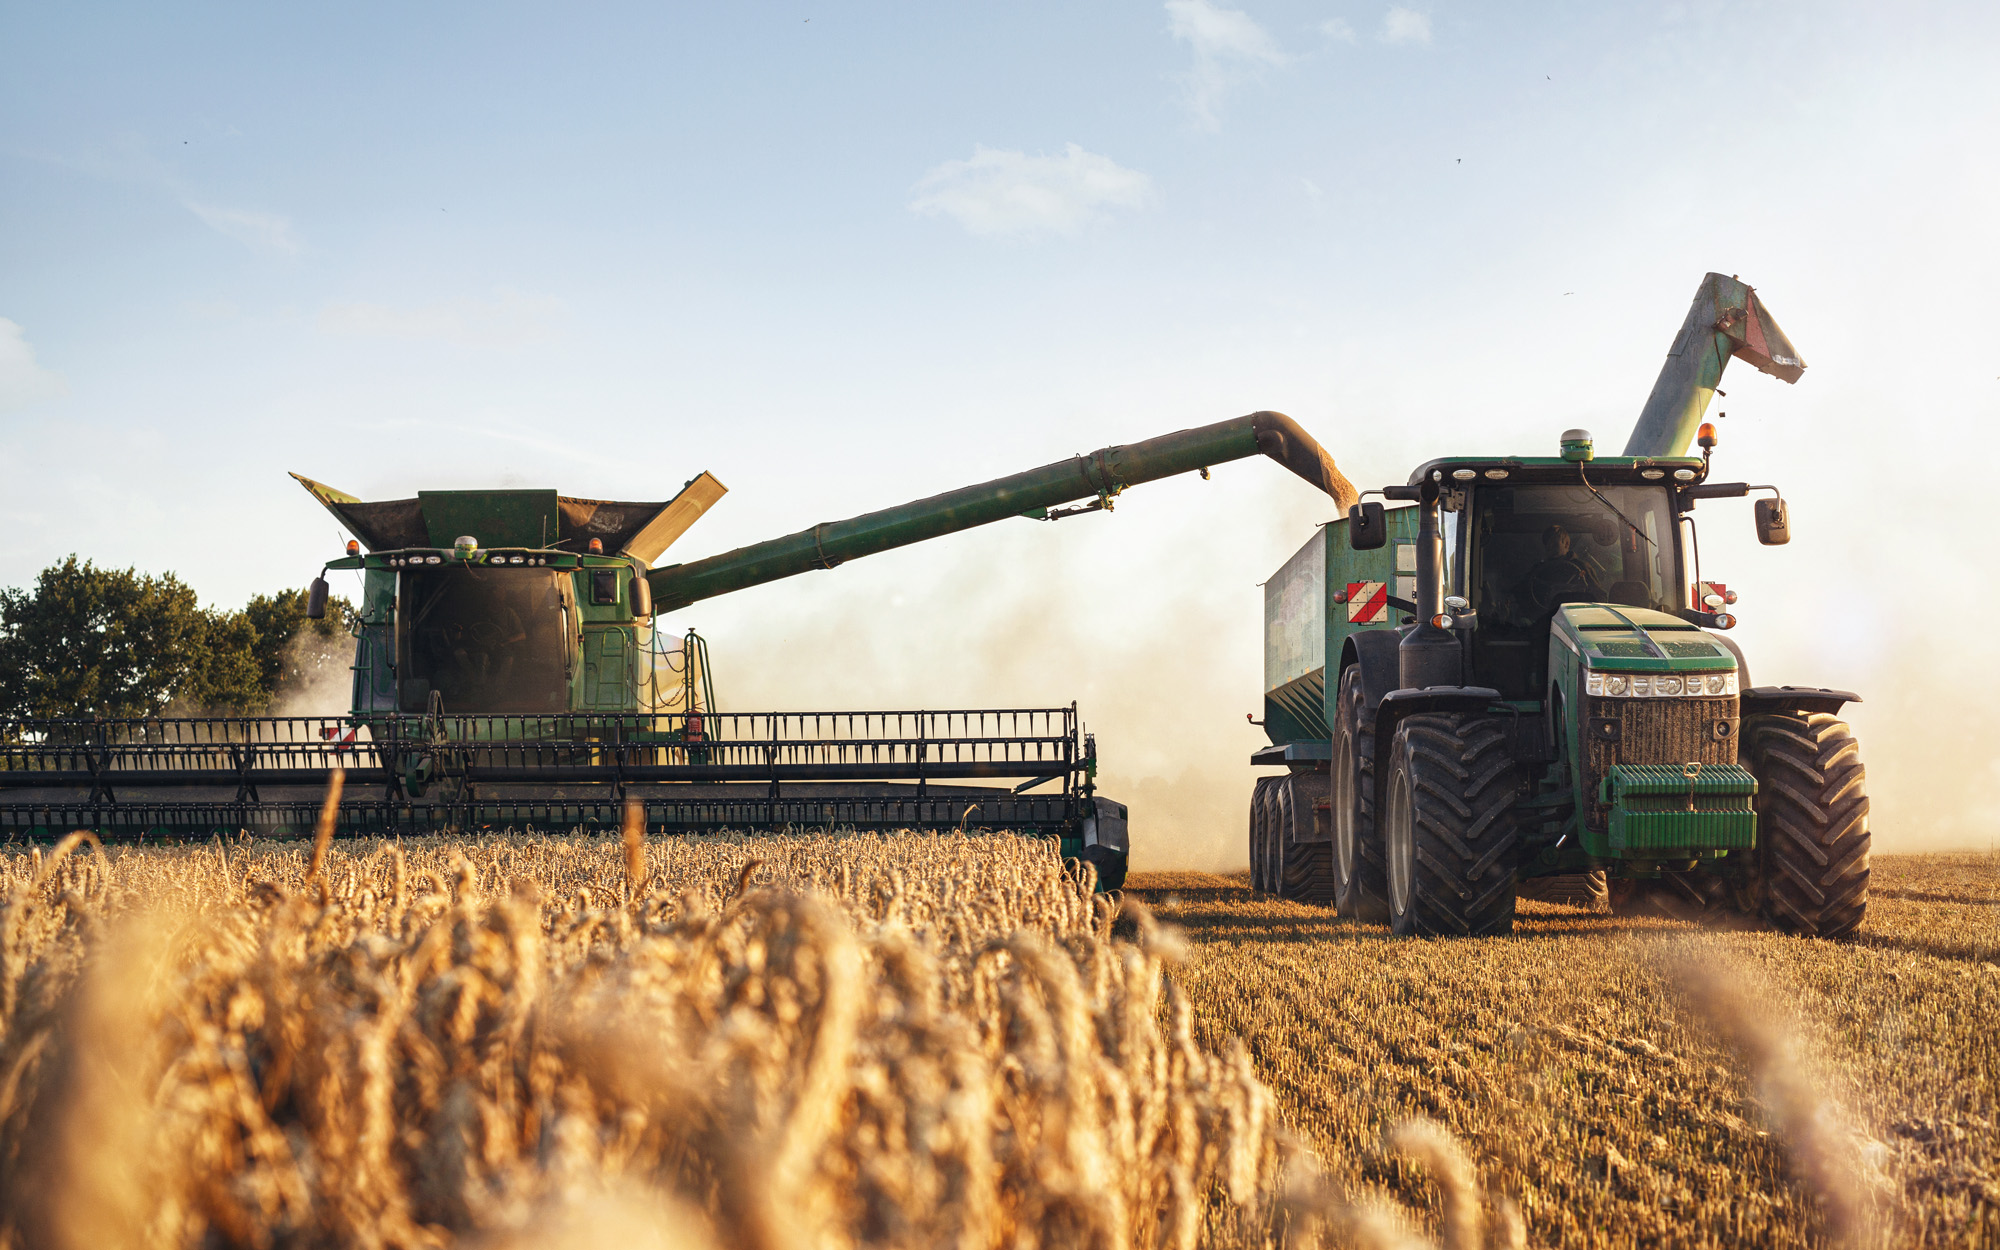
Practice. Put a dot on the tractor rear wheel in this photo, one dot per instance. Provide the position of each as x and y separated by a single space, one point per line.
1811 863
1260 822
1360 882
1447 826
1304 869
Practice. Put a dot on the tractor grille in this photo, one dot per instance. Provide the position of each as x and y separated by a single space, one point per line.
1652 731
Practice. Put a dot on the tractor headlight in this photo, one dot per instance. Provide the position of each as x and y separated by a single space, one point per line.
1657 685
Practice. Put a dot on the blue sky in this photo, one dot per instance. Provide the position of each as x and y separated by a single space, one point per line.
848 255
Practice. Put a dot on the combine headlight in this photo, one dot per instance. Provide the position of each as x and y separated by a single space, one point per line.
1658 685
433 559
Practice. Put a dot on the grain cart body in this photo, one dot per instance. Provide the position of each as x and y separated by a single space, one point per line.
1558 701
509 671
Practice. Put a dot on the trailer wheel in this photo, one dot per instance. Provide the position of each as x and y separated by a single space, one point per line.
1304 869
1360 882
1447 826
1811 873
1260 876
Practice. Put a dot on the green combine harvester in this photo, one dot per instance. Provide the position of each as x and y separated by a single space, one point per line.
510 671
1519 683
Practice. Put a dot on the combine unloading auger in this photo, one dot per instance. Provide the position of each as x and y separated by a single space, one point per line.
1097 477
508 672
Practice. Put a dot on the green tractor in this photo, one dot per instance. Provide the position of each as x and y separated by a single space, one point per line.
1521 683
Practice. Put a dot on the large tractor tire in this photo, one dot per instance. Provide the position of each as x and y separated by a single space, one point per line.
1811 865
1447 826
1360 878
1262 879
1304 868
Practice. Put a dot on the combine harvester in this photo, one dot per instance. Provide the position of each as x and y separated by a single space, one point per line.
509 672
1519 684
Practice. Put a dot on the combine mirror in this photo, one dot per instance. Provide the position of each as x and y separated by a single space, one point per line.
316 600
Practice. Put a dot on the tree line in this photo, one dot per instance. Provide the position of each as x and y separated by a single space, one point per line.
86 641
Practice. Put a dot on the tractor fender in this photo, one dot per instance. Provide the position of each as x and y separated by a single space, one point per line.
1759 699
1400 703
1377 652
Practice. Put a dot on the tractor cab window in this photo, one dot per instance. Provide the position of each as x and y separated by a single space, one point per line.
1536 548
485 639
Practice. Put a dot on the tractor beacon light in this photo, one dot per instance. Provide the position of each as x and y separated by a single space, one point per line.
353 547
1706 438
597 546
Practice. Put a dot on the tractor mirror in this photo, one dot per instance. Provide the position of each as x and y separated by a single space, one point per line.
316 600
1773 524
1366 527
642 596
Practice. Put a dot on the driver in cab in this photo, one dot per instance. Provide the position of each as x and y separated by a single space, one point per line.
1560 577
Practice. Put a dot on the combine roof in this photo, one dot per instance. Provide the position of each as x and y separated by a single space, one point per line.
520 518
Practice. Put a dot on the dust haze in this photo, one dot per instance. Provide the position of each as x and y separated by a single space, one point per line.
1151 620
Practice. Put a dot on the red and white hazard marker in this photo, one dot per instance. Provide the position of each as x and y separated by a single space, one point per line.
1366 602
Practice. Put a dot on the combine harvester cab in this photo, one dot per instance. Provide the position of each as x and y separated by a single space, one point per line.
1521 684
509 671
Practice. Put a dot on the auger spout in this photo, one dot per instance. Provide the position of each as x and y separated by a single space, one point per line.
1101 475
1727 319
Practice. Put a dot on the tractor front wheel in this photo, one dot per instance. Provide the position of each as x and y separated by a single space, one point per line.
1447 827
1810 872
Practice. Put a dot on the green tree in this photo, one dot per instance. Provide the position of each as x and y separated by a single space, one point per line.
87 641
293 652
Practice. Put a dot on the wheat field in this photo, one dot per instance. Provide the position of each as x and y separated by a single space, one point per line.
1639 1082
948 1041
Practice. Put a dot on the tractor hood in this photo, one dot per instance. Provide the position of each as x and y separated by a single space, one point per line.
1616 638
536 519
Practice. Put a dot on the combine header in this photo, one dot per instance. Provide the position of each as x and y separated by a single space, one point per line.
510 670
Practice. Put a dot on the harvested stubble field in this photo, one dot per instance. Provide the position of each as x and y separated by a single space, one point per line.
1638 1082
920 1041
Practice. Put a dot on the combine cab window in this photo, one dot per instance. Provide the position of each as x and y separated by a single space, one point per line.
487 640
1539 547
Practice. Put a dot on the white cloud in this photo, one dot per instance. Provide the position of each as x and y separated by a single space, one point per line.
1000 193
1337 28
509 319
262 232
1401 25
23 381
1227 43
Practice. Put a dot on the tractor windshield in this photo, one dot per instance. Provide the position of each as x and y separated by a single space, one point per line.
1534 548
485 639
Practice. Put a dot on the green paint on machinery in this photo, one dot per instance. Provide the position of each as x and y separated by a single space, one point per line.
510 670
1520 683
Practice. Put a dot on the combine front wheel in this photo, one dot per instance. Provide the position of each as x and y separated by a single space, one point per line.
1811 874
1360 882
1447 829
